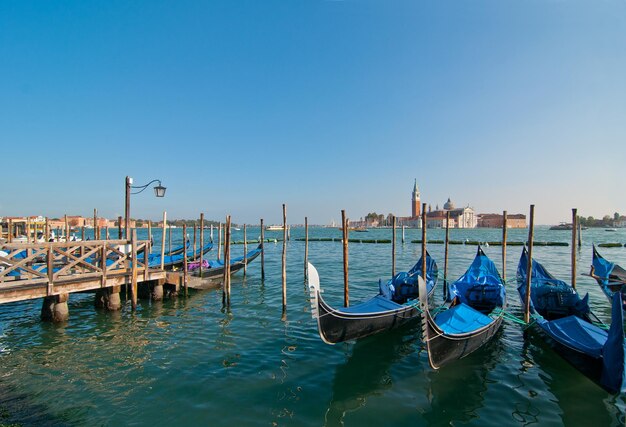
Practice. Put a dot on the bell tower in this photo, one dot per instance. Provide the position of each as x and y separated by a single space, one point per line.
415 201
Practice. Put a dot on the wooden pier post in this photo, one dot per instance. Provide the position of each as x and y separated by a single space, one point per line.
306 248
67 229
150 231
424 241
163 226
262 251
284 275
10 231
133 291
403 226
201 255
55 309
574 230
211 233
346 289
445 258
185 274
47 229
529 267
580 235
504 231
119 227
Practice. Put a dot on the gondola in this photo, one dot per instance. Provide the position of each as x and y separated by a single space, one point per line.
610 276
176 261
566 322
472 315
214 269
395 305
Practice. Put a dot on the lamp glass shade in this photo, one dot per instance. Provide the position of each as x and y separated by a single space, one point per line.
159 191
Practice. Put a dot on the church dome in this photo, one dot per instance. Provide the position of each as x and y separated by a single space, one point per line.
448 205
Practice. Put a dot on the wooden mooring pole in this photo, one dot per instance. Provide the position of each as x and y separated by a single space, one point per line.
504 230
201 255
245 250
185 257
163 226
306 248
346 289
393 247
574 230
284 275
219 241
424 241
133 290
96 235
262 251
119 227
226 273
529 266
445 258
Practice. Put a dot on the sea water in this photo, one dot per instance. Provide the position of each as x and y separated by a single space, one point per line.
190 361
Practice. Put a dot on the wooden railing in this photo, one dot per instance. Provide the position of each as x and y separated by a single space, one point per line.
63 263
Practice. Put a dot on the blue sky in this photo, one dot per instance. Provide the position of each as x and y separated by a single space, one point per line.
241 106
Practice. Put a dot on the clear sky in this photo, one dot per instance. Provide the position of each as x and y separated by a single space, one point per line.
240 106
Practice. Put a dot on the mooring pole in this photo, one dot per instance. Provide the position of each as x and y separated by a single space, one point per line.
445 259
424 241
245 250
393 246
504 230
226 272
306 248
529 267
169 229
163 226
184 257
262 251
574 230
96 235
403 234
133 289
346 289
195 230
284 258
219 240
580 234
201 255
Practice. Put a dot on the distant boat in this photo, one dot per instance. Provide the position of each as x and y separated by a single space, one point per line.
275 228
610 229
562 226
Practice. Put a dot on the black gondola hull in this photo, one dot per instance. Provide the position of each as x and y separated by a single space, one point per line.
335 326
445 348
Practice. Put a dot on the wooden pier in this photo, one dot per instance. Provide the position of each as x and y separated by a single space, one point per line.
54 270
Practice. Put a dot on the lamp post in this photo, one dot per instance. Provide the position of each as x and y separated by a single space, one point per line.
159 191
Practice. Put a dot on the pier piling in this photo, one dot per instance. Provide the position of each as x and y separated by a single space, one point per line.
346 289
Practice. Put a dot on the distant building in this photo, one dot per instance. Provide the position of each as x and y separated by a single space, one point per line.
459 218
495 221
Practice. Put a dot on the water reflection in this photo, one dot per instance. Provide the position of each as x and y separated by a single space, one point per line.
457 392
568 385
366 370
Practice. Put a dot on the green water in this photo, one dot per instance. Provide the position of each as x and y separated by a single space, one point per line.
189 361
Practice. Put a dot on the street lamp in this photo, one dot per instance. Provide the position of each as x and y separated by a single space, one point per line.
159 191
